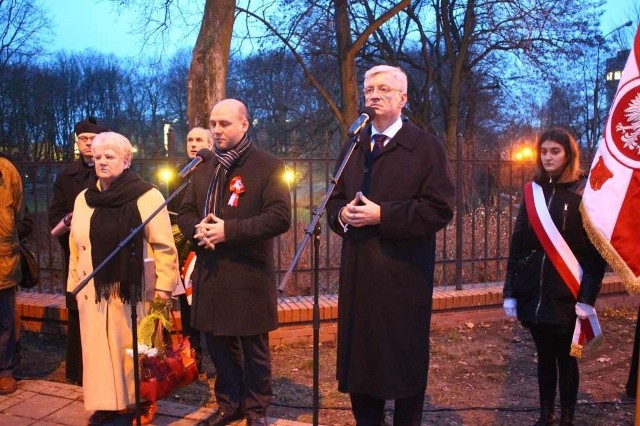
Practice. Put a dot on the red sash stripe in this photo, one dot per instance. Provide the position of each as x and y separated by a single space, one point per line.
550 249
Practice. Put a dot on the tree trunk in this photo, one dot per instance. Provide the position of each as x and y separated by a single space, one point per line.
347 51
209 63
347 64
457 53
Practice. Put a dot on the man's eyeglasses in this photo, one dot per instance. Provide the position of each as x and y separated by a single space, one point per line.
382 89
85 138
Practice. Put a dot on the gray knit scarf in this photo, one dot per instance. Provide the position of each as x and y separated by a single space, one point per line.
226 160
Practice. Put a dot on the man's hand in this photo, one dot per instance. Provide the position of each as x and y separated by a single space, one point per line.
360 212
210 231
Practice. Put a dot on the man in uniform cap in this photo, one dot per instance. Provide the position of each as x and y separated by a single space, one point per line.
70 182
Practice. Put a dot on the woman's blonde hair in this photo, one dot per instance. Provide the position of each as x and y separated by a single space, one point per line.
118 142
571 171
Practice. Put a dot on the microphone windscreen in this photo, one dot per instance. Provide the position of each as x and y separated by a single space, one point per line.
369 111
205 153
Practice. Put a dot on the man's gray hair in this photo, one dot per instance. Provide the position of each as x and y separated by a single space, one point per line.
395 72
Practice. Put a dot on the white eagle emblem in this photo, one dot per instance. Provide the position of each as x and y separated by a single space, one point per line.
630 133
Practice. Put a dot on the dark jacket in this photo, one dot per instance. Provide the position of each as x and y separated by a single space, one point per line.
386 271
541 294
234 286
176 201
11 217
71 180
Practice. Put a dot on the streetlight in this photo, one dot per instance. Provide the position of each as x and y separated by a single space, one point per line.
524 153
595 124
166 175
289 176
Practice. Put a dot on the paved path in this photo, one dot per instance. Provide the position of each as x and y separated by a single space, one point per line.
44 403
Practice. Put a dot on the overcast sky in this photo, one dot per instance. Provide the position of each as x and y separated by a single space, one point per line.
83 24
95 24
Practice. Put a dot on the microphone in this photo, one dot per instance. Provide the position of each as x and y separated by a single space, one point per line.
203 155
367 114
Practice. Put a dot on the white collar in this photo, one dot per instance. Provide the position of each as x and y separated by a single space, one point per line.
390 131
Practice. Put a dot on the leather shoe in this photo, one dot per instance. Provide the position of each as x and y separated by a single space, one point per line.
222 418
257 421
8 385
102 417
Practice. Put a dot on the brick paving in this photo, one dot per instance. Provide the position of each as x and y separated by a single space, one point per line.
46 313
39 402
44 403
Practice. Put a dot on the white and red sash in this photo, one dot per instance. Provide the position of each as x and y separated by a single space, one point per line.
587 331
185 286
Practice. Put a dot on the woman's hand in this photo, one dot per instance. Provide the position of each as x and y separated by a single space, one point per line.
510 306
584 311
163 294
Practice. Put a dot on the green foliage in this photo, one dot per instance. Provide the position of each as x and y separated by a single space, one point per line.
148 327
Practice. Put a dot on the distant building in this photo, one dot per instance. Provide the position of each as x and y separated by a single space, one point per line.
614 67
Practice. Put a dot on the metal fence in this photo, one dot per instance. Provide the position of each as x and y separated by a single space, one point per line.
472 249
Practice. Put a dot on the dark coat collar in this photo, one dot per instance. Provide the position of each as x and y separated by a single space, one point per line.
407 137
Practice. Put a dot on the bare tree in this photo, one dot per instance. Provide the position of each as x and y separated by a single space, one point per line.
23 26
208 73
493 41
287 113
297 33
175 90
210 56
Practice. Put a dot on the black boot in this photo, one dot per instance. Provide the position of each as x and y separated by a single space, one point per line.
547 414
567 412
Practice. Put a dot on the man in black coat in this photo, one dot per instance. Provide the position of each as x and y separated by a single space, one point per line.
395 193
235 205
198 138
72 180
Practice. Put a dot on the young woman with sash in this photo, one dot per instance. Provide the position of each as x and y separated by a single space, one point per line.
554 273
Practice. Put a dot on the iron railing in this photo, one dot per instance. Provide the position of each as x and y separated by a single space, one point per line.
472 249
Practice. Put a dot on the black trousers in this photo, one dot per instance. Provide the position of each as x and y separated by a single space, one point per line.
369 411
8 362
73 366
243 372
555 366
187 329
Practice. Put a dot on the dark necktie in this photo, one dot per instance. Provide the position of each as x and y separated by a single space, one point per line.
378 143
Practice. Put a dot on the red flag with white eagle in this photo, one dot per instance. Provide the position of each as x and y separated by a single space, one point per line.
611 200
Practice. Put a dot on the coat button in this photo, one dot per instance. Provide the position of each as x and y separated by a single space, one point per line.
86 297
84 247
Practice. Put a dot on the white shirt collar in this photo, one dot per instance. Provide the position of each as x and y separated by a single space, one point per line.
390 131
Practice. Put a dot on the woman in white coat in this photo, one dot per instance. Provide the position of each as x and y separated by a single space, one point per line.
116 202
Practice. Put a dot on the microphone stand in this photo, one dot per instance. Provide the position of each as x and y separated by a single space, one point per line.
314 229
134 289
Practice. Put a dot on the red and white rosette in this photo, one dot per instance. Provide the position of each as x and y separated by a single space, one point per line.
236 187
